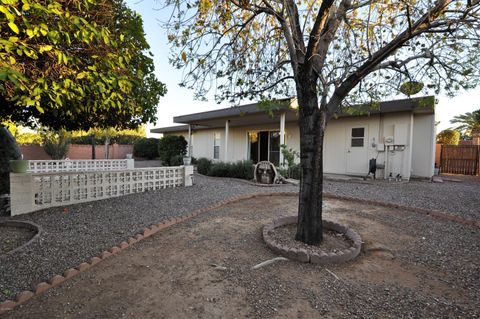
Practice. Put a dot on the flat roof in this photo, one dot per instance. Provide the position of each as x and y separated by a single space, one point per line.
416 105
242 110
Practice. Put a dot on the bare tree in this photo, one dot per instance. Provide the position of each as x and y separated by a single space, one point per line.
331 54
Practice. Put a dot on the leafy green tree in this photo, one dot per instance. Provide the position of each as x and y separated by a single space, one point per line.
75 64
468 122
448 137
331 54
171 146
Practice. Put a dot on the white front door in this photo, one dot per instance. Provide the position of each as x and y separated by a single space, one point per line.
356 148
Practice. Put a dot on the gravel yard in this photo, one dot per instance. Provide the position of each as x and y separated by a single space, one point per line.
457 198
74 234
412 266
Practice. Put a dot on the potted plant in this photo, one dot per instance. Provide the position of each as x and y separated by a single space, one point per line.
187 160
19 166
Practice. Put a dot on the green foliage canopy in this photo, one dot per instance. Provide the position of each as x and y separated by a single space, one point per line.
468 122
448 137
75 64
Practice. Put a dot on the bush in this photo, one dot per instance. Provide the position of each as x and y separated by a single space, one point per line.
170 146
176 160
203 165
240 169
146 148
56 144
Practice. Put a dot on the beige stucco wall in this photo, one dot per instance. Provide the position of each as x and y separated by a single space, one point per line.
416 133
423 159
202 140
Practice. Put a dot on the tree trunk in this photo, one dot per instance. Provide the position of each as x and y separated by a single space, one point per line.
312 123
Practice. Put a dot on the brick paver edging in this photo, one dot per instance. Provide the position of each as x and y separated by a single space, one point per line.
321 257
23 224
56 280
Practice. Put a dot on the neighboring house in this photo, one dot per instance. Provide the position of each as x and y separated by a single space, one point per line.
400 134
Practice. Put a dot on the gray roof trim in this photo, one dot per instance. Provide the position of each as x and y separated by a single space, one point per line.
170 129
177 128
227 112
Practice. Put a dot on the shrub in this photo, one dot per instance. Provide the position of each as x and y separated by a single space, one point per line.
146 148
240 169
170 146
56 144
294 171
176 160
203 165
289 155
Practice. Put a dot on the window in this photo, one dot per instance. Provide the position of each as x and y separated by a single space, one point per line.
216 145
358 137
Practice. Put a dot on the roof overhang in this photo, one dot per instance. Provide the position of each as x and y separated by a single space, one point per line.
263 114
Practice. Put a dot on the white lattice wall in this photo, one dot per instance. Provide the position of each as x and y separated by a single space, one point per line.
33 191
79 165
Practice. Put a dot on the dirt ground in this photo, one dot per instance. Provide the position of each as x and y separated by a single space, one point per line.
170 275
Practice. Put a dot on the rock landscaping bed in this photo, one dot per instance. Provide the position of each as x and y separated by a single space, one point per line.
411 266
14 235
340 243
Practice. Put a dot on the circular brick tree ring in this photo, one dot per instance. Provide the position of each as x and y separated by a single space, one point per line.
319 257
22 224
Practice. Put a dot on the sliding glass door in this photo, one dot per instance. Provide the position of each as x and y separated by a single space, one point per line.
264 146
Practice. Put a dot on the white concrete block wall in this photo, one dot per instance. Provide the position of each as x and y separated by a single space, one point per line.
34 191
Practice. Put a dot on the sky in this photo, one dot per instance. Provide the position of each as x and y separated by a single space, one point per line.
180 101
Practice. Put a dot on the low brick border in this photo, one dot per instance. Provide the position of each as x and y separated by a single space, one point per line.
21 224
56 280
320 257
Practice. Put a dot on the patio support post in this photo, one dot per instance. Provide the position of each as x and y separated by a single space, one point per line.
227 127
189 140
282 136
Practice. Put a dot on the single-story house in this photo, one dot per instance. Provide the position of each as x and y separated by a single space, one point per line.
399 134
